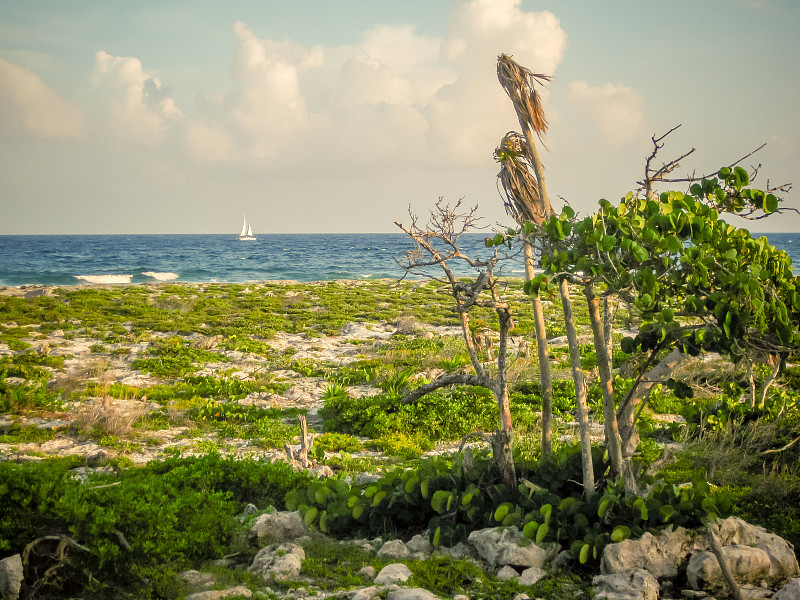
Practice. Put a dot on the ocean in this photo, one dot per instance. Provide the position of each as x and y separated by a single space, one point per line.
63 260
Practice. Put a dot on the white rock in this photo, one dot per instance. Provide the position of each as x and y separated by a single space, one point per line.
197 579
11 576
393 549
239 590
366 593
279 562
791 591
278 526
783 562
419 545
636 584
748 565
507 573
393 573
411 594
661 556
531 575
506 546
367 572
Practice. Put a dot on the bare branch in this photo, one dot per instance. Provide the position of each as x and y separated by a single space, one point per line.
447 380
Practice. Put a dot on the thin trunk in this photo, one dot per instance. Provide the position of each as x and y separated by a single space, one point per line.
473 352
545 377
503 440
770 380
621 466
580 392
608 328
626 415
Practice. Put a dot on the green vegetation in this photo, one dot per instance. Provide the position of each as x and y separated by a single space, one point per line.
734 459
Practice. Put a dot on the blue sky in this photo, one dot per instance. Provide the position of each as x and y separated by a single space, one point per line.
315 116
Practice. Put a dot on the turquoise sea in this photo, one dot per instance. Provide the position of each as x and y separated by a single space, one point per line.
79 259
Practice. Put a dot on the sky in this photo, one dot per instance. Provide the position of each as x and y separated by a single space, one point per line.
181 116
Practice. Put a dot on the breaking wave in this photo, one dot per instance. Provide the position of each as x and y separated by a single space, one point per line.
105 278
168 276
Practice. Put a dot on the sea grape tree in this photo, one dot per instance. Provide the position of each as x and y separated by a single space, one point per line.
698 283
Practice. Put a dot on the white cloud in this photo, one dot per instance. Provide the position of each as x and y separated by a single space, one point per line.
394 94
616 110
29 108
135 103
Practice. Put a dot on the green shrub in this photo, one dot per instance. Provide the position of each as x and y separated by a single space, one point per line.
337 442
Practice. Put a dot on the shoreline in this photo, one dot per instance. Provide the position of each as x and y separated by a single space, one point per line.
29 289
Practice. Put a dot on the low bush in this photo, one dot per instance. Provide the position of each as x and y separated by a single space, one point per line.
137 528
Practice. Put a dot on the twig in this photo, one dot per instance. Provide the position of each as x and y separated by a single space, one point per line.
786 447
100 487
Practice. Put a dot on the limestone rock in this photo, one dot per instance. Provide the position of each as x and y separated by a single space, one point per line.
531 575
393 573
394 549
196 579
237 591
748 565
367 572
752 592
507 546
783 562
11 576
411 594
791 591
634 584
369 593
507 573
321 472
278 526
281 562
419 546
661 556
460 550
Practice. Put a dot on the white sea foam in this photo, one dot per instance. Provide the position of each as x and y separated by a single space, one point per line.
160 276
105 278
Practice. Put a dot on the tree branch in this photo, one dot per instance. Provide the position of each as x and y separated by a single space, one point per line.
446 380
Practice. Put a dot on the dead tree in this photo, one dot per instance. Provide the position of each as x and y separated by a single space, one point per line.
437 246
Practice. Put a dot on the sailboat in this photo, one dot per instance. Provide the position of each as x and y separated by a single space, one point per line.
247 231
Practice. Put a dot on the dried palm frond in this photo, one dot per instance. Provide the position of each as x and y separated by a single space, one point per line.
522 199
518 82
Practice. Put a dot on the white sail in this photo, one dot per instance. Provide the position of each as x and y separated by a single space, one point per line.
247 231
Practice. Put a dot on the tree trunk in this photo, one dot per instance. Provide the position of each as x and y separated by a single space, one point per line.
626 415
580 392
503 454
545 378
622 467
762 397
608 328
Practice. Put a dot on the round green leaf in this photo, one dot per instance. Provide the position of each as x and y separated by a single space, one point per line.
621 532
310 516
770 203
529 531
